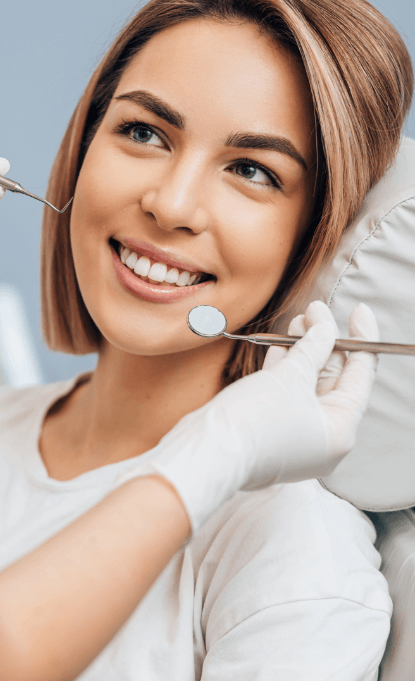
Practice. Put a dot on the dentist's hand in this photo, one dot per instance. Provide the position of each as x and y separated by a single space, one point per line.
336 394
272 426
4 168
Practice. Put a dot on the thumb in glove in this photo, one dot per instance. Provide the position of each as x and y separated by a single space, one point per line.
4 168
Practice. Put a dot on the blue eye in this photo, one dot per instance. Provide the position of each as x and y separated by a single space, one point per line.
145 136
256 174
252 172
140 132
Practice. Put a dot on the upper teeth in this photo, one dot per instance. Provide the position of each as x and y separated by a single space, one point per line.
158 271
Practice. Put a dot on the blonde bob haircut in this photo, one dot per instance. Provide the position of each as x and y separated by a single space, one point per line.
361 80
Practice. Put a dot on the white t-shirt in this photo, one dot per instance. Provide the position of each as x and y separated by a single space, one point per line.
280 584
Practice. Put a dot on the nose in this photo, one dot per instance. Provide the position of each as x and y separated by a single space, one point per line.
178 198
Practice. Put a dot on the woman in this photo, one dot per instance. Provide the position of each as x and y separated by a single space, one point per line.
192 156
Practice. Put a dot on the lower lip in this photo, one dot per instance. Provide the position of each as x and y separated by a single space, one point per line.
154 293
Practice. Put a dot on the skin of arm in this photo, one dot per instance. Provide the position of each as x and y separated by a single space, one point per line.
125 542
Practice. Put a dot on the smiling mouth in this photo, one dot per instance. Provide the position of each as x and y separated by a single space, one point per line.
155 272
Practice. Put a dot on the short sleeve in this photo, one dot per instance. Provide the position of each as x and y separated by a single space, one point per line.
317 640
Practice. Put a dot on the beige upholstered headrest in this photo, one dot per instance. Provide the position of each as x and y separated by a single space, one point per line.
375 264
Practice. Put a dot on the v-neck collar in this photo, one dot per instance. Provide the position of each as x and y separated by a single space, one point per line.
33 462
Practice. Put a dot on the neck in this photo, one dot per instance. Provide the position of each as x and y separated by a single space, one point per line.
131 402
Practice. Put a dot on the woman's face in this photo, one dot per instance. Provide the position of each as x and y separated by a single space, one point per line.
204 163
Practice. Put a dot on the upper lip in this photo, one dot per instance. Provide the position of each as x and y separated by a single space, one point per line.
161 255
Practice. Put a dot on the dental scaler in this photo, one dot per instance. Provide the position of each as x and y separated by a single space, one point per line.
13 186
209 322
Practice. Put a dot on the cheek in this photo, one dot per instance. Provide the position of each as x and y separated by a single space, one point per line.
92 208
100 199
98 191
259 244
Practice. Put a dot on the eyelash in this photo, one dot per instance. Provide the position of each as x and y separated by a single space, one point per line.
276 184
126 126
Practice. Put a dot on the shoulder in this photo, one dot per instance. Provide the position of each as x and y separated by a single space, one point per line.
286 544
21 402
12 399
18 405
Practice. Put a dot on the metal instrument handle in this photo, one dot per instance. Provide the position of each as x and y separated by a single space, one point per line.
351 345
10 185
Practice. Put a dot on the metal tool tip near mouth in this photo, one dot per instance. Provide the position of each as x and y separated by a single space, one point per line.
206 321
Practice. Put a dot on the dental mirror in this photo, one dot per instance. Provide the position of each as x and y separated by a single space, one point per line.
209 322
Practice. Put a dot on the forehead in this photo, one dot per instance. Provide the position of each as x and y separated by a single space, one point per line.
226 72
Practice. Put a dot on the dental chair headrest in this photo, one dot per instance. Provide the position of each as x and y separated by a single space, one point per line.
375 264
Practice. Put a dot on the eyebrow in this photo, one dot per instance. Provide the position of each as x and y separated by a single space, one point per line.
250 140
238 140
156 106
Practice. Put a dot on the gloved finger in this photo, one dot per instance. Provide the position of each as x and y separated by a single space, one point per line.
330 373
277 352
316 311
311 352
274 355
358 375
4 168
334 365
345 406
363 324
297 326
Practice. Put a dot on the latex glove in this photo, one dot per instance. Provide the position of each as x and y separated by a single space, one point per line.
269 427
362 326
4 168
299 326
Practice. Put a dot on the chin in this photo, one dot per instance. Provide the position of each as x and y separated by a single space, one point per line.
150 336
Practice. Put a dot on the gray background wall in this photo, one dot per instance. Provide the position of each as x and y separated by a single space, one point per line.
48 50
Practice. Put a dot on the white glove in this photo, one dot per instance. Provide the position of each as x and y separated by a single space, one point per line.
4 168
363 326
270 427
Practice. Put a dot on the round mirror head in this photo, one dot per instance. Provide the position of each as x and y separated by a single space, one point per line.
206 321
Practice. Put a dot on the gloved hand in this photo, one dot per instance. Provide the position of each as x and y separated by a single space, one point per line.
270 427
362 326
4 168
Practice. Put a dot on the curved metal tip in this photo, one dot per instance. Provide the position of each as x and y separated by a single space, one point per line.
63 209
18 188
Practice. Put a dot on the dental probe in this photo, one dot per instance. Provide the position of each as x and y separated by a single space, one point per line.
16 187
209 322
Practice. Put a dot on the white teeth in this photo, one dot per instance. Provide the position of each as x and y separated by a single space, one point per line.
157 272
183 279
131 260
142 266
172 276
124 254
